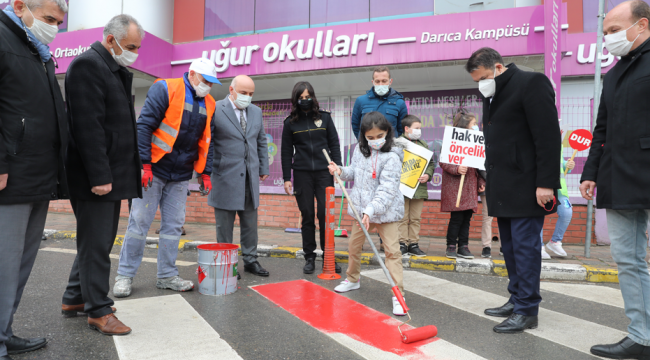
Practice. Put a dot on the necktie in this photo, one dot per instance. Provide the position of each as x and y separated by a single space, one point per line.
242 120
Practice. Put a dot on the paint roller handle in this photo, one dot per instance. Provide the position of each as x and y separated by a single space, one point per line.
359 220
575 152
400 298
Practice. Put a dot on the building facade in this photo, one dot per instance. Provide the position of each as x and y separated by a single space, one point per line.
334 44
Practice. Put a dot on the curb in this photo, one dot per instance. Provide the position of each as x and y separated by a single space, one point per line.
550 271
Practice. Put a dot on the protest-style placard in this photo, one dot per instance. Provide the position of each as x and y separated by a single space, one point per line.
416 160
463 147
579 140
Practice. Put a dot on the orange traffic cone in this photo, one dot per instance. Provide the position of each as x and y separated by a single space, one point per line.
329 271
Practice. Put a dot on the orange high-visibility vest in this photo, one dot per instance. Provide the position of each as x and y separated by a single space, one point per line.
163 139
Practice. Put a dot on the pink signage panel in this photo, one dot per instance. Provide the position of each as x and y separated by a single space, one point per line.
422 39
154 58
580 55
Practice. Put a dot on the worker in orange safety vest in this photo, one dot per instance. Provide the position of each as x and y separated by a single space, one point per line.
174 140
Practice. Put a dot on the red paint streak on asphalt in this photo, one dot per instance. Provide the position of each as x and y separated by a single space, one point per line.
330 312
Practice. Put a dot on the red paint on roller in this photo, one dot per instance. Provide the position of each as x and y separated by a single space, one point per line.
330 312
422 333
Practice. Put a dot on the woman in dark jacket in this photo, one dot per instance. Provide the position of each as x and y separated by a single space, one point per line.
307 131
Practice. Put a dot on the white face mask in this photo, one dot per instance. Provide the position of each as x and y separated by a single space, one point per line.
376 144
45 33
382 90
617 44
415 134
242 101
126 58
202 90
475 127
488 87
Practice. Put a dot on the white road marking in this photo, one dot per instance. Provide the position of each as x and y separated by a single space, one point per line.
113 256
559 328
438 350
180 334
599 294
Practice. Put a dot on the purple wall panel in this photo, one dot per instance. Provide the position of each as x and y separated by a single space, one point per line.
228 17
590 12
271 14
382 8
325 12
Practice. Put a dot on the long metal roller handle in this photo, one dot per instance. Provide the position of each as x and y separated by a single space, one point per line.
356 214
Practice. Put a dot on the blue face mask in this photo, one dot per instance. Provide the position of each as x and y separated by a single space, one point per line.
475 128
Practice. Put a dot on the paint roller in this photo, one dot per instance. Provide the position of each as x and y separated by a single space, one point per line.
408 336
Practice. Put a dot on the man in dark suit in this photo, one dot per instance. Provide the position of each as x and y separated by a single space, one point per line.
33 140
522 150
619 162
241 157
103 165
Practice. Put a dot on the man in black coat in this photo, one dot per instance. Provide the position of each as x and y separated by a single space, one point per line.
522 150
103 165
619 162
33 138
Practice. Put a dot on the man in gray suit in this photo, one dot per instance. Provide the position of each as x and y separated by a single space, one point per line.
240 158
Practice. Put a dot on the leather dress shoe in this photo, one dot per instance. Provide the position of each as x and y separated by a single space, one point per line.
516 323
503 311
337 268
624 349
310 265
108 325
256 269
74 310
6 357
16 345
238 276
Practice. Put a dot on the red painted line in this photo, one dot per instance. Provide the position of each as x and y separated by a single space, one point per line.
330 312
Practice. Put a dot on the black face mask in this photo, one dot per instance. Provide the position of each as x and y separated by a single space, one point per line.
305 105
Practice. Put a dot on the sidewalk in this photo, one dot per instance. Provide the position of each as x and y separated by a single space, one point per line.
599 268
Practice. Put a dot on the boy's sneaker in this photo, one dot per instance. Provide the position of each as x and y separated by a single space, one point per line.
122 287
175 283
414 249
463 252
545 255
451 251
403 248
487 253
556 247
397 308
346 286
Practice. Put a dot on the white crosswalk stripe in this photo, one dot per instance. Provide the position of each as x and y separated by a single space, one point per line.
559 328
438 350
599 294
113 256
158 337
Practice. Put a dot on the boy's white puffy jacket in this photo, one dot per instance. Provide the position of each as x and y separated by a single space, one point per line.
379 198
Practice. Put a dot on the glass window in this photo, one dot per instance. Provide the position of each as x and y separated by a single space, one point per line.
590 12
394 9
280 15
334 12
64 25
227 18
463 6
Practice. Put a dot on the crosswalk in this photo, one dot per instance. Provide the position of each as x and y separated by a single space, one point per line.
559 328
251 324
201 341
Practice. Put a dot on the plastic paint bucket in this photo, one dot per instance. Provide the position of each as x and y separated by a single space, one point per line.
217 270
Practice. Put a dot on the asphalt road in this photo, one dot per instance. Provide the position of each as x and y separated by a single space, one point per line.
253 327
